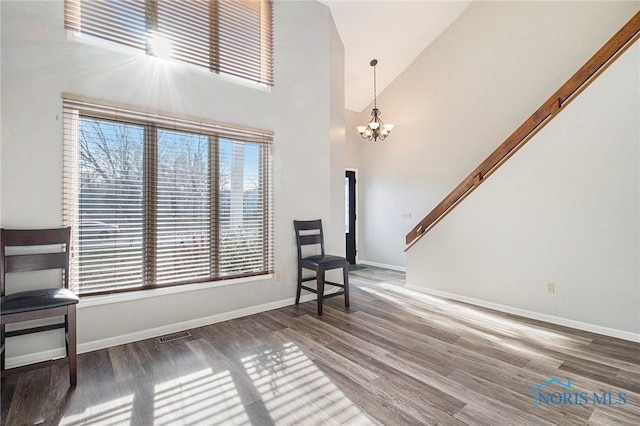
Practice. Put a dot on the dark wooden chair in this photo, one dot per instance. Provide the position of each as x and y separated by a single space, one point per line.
42 302
309 232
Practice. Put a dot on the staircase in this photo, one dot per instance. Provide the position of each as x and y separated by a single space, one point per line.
621 41
555 235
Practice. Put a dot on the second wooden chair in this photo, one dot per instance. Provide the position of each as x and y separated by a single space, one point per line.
309 232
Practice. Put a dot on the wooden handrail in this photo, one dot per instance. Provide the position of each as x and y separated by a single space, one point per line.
623 39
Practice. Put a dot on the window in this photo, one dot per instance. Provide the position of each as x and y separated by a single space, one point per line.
232 37
156 201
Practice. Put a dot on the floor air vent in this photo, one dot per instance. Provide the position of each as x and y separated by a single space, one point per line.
174 336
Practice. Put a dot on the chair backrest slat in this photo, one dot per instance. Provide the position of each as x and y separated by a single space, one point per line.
306 240
34 261
35 237
307 226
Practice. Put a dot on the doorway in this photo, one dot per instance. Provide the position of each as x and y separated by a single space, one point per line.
350 215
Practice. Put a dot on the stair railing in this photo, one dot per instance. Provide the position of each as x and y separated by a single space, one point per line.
620 42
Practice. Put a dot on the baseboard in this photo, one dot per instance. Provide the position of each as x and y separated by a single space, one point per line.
187 325
611 332
17 361
95 345
384 265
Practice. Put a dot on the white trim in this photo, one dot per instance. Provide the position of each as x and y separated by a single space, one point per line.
17 361
593 328
384 265
107 299
95 345
186 325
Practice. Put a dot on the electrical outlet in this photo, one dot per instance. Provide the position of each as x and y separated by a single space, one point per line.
278 276
551 288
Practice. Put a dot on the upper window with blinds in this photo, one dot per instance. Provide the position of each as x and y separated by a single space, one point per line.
232 37
155 200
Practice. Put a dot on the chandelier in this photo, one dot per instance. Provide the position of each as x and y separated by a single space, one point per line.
376 129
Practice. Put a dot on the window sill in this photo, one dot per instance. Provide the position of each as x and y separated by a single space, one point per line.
107 299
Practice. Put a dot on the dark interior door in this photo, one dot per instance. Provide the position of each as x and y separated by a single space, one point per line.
350 222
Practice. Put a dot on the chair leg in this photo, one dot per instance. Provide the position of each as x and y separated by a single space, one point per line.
71 345
320 288
299 285
345 275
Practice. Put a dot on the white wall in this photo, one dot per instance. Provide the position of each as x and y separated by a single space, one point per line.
0 112
354 141
461 98
353 144
336 241
564 209
39 64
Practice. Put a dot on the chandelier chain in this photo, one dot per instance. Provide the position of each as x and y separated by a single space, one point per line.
375 90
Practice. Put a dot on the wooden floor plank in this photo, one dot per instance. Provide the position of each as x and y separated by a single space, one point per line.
394 357
600 372
127 361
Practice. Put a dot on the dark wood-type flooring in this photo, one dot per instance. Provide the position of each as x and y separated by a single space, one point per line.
395 357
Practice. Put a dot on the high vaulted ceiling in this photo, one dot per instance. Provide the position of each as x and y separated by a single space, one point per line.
394 32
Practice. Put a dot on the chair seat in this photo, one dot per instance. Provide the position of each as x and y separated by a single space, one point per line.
35 300
326 261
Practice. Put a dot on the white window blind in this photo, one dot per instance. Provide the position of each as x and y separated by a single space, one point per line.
183 206
233 37
157 200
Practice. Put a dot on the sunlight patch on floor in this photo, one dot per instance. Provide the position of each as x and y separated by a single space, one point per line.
295 391
199 398
115 412
384 289
503 330
513 327
525 350
470 313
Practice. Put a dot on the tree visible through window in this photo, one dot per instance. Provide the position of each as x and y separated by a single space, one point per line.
183 206
158 206
110 204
